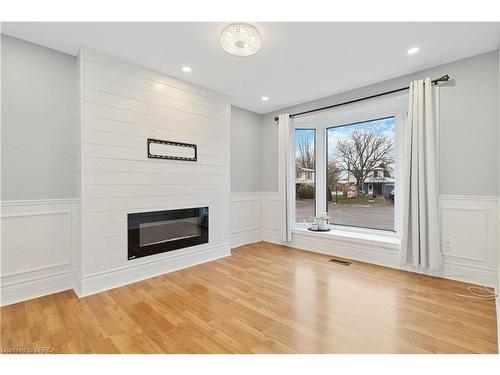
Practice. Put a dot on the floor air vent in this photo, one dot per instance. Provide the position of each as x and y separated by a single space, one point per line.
340 261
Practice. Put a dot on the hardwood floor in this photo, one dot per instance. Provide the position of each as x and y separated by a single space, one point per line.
265 298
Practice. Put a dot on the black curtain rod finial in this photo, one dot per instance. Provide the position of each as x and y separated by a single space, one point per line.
444 78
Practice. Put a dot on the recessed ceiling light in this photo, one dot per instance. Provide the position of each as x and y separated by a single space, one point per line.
413 50
265 98
240 39
186 69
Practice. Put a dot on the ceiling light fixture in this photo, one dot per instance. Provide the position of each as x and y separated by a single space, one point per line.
186 69
240 39
265 98
413 50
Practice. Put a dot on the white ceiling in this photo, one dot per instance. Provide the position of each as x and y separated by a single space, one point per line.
299 61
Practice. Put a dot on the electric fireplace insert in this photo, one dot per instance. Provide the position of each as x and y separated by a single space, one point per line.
160 231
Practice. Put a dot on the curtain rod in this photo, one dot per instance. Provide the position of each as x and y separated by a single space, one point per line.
444 78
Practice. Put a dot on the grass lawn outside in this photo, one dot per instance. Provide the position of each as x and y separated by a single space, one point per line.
339 199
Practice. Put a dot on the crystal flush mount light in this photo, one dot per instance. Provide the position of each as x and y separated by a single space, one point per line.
240 39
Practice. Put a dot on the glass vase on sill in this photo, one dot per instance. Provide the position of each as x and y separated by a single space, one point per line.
323 221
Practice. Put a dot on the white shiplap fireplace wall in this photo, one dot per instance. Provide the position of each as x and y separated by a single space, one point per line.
123 105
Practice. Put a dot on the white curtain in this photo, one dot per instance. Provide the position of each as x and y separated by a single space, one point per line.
284 173
421 243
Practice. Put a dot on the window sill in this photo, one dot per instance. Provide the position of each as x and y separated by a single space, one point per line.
374 236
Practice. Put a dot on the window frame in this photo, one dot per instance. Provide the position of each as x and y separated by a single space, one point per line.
392 106
315 138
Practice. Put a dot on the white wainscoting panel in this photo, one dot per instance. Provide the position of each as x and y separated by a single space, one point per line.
122 106
38 248
245 218
270 217
469 238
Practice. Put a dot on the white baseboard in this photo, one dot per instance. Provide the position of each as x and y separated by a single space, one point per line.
244 238
470 222
271 235
102 281
383 256
37 283
468 274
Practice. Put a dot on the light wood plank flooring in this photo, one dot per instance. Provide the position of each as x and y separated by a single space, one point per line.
265 298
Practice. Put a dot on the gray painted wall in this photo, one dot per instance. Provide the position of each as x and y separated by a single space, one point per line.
245 150
40 126
469 139
39 122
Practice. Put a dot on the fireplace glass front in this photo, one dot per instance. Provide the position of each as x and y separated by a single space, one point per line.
160 231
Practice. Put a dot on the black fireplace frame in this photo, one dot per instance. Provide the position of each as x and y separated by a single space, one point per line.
135 219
